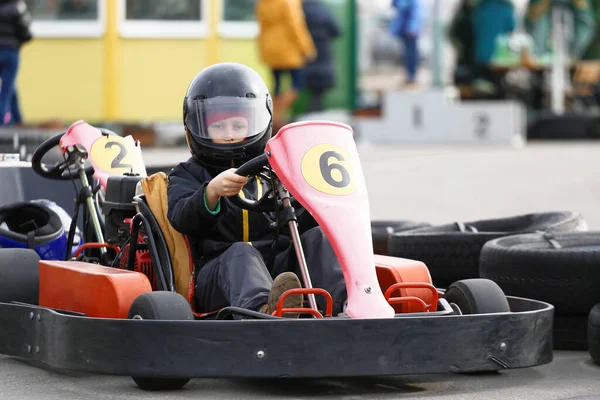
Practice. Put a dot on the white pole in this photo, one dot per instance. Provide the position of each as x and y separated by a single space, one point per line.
558 61
437 43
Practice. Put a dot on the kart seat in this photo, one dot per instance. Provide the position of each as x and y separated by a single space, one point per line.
153 205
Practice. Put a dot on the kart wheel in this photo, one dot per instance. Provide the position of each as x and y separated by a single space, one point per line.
163 306
477 296
593 338
20 274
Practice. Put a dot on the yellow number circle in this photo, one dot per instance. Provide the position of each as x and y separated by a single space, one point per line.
328 169
113 154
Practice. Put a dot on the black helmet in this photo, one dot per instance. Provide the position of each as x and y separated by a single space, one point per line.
228 115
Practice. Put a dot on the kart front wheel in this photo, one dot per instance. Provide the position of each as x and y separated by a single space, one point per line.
160 305
477 296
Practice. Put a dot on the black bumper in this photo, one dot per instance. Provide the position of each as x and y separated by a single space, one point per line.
280 348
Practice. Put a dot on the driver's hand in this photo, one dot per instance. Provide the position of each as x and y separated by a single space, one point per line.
226 184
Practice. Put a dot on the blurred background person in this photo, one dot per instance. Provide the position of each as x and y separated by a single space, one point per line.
491 19
582 26
407 26
592 51
15 110
461 37
319 74
15 21
285 46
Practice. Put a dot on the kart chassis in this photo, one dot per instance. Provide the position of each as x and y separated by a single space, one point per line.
260 345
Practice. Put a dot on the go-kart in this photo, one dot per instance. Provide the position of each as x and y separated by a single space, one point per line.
133 314
89 155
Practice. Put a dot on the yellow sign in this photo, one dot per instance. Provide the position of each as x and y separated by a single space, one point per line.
115 155
328 168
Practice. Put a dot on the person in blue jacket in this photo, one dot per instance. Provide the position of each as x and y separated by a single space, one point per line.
407 26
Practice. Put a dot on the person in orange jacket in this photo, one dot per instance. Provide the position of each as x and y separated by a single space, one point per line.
285 46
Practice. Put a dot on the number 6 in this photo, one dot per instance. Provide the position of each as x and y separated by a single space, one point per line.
327 168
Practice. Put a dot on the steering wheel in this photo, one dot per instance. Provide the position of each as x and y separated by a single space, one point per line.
63 170
265 204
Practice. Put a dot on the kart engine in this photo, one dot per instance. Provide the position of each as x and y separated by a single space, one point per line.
118 207
119 210
142 260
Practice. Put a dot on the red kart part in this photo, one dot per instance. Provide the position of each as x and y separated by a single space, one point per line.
412 300
142 263
94 290
94 245
411 278
303 310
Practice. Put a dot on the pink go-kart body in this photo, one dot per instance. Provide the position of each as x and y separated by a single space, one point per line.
318 163
109 154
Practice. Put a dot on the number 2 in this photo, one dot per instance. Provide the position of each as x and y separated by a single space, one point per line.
116 163
482 124
327 168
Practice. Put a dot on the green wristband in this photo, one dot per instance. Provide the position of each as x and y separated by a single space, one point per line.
208 209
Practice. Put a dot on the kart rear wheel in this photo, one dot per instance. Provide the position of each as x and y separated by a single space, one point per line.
477 296
163 306
20 274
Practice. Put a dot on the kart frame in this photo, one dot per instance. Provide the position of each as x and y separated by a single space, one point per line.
277 347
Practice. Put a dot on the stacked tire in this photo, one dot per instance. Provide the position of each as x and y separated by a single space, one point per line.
382 230
560 268
452 251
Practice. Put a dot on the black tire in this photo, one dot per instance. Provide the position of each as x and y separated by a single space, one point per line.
570 333
162 306
594 333
529 266
451 251
381 231
19 276
477 296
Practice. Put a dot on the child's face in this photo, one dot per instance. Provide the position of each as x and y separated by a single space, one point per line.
229 130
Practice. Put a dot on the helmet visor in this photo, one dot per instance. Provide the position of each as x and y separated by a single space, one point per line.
223 119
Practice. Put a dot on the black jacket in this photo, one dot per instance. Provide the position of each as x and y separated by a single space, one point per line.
15 21
323 27
213 234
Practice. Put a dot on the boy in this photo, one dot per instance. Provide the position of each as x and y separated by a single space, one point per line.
244 261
